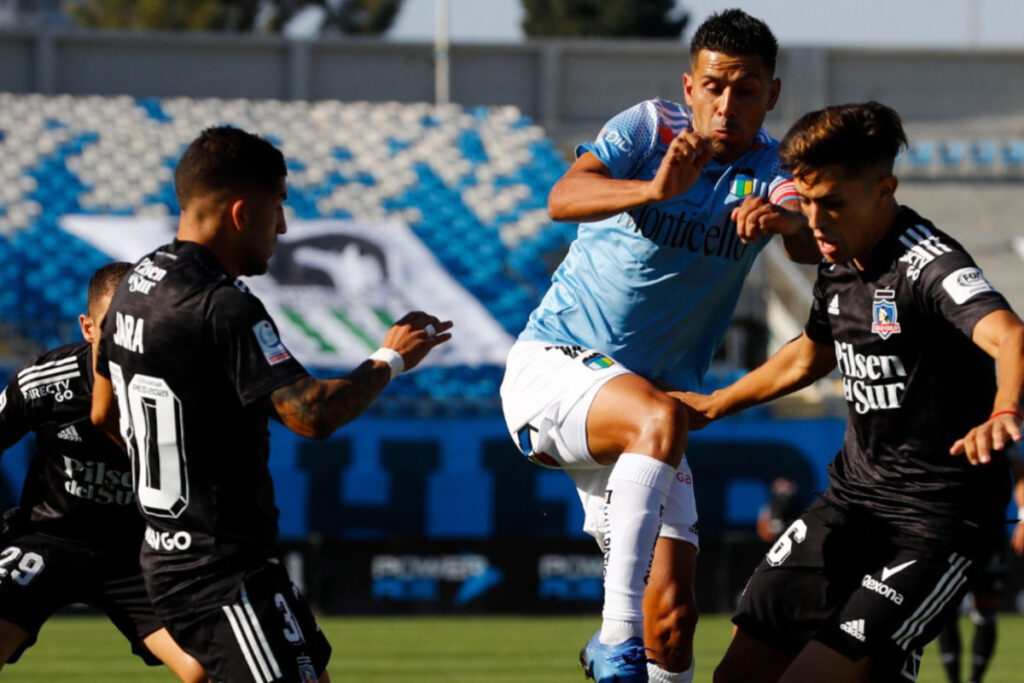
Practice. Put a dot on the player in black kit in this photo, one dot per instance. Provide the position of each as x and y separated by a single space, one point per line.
197 367
76 534
873 569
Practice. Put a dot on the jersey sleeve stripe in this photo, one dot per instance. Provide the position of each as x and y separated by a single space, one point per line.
39 381
53 366
783 192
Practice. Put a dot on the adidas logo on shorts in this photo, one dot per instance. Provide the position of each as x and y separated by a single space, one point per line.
854 627
69 434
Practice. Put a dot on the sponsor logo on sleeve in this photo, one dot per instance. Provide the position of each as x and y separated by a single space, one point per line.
49 379
614 138
598 361
271 346
962 284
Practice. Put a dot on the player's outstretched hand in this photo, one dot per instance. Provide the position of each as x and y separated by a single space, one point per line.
757 216
697 408
994 435
680 167
415 335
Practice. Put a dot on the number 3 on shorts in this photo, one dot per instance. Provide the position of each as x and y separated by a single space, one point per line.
797 531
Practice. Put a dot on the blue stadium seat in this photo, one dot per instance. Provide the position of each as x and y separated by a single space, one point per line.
921 154
983 153
952 152
1013 153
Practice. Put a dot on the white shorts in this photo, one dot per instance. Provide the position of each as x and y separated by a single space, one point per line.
546 395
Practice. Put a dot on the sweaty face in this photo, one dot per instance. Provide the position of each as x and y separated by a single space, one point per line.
264 222
729 97
847 214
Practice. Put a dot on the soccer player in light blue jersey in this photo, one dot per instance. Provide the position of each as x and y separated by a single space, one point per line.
674 205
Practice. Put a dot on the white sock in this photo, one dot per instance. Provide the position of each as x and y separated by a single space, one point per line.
637 488
658 675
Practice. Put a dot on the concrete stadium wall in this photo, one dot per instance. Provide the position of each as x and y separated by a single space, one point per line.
570 87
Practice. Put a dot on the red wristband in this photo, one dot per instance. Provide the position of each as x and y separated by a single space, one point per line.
1006 412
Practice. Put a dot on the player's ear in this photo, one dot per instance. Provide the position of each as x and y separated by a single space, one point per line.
688 89
89 331
237 214
773 93
887 187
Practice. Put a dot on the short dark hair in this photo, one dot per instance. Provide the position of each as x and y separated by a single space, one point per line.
104 282
227 158
854 137
734 32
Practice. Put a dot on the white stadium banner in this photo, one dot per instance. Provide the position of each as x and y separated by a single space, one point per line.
335 286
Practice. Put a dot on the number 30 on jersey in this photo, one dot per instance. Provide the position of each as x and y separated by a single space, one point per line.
153 433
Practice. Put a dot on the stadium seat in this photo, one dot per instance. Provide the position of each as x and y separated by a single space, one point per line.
471 183
1013 153
921 154
983 153
952 152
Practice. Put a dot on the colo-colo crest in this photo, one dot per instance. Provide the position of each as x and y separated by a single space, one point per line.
884 315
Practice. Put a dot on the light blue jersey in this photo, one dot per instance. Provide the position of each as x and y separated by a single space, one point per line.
655 287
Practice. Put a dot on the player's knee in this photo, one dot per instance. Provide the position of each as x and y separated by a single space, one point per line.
664 430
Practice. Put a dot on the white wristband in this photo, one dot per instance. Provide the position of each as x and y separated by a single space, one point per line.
1020 514
392 358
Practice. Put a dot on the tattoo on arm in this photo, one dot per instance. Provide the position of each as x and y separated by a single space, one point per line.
315 408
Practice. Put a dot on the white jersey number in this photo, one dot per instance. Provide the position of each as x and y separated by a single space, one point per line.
797 532
26 570
153 433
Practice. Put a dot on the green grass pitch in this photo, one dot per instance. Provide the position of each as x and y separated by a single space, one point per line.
429 650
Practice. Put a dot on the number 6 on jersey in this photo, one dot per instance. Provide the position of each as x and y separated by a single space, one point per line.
797 531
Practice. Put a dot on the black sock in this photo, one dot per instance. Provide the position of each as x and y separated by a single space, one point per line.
983 645
949 649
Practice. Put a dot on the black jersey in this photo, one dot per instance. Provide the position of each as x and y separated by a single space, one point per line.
192 355
79 483
914 382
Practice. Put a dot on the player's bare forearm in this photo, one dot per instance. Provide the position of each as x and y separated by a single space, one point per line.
1010 362
587 192
1001 335
796 365
316 408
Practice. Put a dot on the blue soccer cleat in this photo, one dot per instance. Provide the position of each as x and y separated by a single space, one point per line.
620 663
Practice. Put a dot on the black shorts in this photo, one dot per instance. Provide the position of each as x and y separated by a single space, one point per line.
831 579
40 574
989 579
263 632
